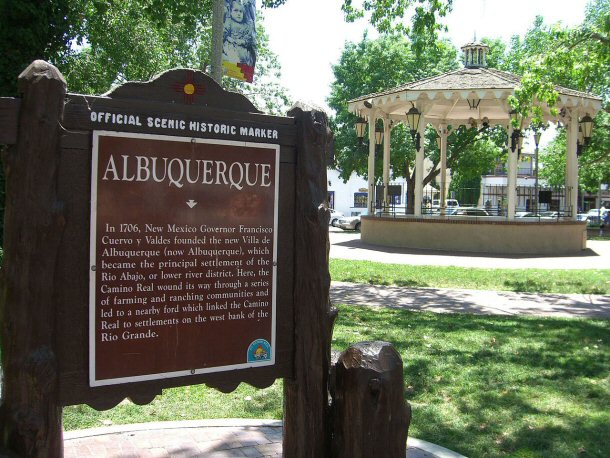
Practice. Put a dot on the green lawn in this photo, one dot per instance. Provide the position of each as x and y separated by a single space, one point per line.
484 386
593 281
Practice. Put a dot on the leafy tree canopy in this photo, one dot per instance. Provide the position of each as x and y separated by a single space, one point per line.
99 43
31 29
388 16
576 58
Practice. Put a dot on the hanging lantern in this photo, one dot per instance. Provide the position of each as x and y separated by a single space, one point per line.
587 128
378 136
473 102
413 117
360 128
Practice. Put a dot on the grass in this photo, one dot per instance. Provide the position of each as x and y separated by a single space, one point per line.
484 386
593 281
194 402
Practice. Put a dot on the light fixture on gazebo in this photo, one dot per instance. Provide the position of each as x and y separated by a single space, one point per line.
473 102
587 127
378 136
537 134
515 118
516 139
580 143
360 127
413 117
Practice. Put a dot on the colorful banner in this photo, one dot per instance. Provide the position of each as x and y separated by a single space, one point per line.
239 39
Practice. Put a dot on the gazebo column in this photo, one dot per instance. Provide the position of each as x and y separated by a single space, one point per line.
387 131
443 132
511 177
419 173
572 167
371 164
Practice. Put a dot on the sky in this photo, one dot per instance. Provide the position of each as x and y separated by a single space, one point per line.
308 36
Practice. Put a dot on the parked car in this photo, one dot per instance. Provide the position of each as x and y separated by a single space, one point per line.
593 216
351 222
581 217
468 211
334 217
552 215
449 203
527 215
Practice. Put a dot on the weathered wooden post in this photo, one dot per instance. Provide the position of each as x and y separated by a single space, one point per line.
307 424
371 417
30 415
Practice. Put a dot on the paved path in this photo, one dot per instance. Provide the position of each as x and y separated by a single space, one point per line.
347 245
200 438
473 301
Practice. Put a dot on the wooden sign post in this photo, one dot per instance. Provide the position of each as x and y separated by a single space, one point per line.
149 243
164 234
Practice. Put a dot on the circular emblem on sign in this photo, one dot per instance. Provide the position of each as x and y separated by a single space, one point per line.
258 351
189 89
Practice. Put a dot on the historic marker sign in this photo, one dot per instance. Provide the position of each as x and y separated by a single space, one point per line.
183 256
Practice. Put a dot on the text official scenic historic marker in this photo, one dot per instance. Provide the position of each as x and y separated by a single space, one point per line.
183 256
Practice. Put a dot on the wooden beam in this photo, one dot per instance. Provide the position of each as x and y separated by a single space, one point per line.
30 414
9 113
307 427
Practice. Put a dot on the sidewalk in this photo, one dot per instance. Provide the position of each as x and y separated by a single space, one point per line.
472 301
347 245
200 438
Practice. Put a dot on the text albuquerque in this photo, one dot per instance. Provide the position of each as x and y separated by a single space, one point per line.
178 171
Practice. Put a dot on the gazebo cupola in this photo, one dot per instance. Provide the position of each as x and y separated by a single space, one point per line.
475 54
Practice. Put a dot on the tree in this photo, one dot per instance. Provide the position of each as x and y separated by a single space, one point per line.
31 29
48 29
576 58
97 44
387 16
374 65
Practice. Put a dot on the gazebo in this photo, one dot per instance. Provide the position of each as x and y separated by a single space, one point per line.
473 94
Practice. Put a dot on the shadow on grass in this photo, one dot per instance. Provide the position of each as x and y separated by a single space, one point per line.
497 386
383 281
533 286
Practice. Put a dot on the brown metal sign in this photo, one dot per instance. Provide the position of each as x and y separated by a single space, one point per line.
183 256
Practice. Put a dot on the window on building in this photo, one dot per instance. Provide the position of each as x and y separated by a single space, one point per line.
360 199
331 199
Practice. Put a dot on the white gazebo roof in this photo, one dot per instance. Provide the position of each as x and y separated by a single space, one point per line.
444 98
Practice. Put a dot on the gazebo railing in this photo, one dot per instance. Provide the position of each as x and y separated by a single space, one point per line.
552 203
